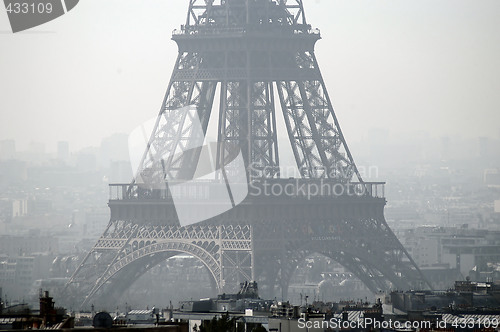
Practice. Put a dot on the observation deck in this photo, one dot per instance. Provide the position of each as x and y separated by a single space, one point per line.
291 188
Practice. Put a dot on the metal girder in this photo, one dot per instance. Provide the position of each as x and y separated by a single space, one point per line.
318 144
243 12
226 251
253 131
265 159
114 289
175 130
357 238
145 252
299 129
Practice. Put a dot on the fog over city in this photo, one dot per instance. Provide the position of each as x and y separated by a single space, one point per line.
86 214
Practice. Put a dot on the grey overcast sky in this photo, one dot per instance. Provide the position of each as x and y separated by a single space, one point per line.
405 65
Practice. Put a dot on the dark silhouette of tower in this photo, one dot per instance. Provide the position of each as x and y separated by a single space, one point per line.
257 56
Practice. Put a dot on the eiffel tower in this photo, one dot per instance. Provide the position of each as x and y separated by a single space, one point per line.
257 56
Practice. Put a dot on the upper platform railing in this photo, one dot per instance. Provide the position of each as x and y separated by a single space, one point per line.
272 188
268 29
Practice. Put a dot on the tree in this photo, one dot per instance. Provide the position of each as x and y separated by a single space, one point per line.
223 324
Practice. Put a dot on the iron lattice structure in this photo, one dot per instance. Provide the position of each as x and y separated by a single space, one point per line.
253 52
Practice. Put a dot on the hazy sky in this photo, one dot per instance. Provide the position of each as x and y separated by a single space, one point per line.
404 65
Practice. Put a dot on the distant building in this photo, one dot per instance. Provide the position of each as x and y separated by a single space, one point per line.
21 316
147 316
12 208
16 275
36 151
63 151
445 148
437 249
245 308
19 207
120 172
7 149
86 161
27 245
96 221
465 295
13 172
484 147
39 206
113 148
491 177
